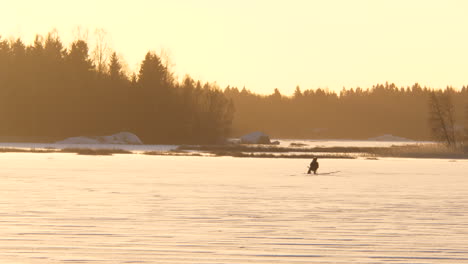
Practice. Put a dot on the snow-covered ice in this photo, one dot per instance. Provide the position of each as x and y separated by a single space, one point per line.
389 137
348 143
66 208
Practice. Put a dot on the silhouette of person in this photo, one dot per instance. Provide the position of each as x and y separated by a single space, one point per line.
313 166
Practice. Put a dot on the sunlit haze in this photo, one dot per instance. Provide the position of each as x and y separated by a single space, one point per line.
264 45
126 134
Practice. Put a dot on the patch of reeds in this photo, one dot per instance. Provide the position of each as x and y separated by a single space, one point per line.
436 151
286 156
263 148
172 153
30 150
79 151
406 151
91 151
294 144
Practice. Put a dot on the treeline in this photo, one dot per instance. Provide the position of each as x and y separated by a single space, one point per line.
351 114
51 91
48 90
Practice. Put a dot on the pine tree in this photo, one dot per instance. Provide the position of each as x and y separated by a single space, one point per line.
78 57
297 93
152 73
115 68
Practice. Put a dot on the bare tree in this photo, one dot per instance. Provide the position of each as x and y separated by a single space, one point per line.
80 34
441 118
168 64
101 51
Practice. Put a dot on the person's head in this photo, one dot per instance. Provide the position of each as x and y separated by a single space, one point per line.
315 158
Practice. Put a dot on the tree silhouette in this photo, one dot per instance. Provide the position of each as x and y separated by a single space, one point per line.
48 92
115 68
152 73
442 118
354 113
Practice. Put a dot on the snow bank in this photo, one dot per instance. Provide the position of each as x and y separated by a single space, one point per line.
389 137
255 138
119 138
122 138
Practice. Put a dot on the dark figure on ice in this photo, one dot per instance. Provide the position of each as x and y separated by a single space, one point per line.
313 166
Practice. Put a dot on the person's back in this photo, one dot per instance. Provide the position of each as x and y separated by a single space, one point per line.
313 166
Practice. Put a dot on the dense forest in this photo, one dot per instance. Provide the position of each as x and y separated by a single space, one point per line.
51 91
351 114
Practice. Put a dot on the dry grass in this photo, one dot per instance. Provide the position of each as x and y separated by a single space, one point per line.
263 148
80 151
406 151
277 156
436 151
21 150
99 152
293 144
173 153
262 151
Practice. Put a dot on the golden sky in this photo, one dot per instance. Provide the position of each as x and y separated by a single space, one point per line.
267 44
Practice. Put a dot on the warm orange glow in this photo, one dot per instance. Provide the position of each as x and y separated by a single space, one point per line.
266 45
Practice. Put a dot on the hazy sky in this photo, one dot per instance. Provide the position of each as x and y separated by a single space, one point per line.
267 44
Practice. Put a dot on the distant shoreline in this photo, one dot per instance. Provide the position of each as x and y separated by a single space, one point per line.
28 139
434 151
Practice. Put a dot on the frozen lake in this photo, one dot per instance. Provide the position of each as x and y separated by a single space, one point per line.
66 208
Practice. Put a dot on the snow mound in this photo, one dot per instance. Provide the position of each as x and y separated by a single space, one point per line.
122 138
389 137
119 138
255 138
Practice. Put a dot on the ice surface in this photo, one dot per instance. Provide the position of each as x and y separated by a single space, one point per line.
347 143
66 208
388 137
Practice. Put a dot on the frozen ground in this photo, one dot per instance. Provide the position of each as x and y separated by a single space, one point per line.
66 208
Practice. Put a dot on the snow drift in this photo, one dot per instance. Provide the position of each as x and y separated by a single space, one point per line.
119 138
